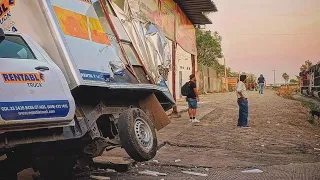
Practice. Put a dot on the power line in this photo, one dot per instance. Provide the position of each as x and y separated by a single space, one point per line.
293 34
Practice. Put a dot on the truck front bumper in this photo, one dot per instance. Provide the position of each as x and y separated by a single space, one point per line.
10 139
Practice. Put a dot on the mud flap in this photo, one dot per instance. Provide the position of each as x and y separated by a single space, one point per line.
154 110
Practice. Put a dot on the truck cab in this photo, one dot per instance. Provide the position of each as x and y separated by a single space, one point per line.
33 91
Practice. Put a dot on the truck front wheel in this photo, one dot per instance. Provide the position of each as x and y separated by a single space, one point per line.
137 135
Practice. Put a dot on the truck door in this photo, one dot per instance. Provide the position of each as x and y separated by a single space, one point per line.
32 89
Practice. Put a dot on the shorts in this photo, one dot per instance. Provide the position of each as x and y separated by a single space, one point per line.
192 103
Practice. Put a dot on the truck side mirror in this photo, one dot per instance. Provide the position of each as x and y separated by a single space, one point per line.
2 35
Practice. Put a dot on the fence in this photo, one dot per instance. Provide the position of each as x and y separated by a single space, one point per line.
208 80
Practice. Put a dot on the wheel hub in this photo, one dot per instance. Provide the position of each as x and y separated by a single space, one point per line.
143 134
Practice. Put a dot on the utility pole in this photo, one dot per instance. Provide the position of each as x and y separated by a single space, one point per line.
225 75
274 77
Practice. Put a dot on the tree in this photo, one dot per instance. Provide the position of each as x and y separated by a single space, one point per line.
286 77
231 74
209 49
251 78
305 67
293 81
218 67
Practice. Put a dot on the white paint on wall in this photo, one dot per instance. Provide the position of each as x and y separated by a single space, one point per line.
183 70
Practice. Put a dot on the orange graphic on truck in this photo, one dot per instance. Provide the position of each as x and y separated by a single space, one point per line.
72 24
98 35
5 6
76 25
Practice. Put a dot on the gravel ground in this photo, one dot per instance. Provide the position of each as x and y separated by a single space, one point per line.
281 142
279 134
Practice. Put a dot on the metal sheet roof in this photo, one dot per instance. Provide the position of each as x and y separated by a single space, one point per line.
194 10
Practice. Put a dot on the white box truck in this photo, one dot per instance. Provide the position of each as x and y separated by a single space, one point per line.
67 92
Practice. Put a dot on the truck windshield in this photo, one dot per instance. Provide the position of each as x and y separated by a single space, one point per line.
15 47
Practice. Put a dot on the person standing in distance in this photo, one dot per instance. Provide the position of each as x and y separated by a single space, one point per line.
242 102
261 82
193 98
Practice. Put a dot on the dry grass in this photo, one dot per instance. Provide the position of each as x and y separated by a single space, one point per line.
287 91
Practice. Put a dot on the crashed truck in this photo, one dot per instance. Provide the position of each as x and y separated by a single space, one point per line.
78 78
310 81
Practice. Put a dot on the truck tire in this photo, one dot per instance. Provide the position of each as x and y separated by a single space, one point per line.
137 134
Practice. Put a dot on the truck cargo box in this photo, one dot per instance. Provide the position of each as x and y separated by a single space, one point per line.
78 38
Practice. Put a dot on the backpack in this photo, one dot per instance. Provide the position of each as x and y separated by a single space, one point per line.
185 89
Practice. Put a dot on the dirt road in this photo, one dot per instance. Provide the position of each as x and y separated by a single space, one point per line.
279 134
281 142
280 139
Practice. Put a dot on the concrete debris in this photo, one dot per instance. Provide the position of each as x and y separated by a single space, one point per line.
148 173
99 177
109 170
262 145
177 160
317 149
110 162
3 157
155 161
207 169
195 173
152 173
252 171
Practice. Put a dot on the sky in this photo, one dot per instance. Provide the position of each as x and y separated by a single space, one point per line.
259 36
